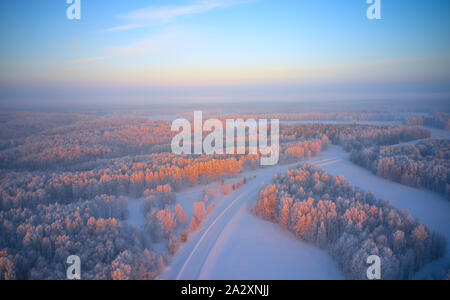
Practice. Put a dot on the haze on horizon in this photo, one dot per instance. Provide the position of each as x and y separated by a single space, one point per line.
181 51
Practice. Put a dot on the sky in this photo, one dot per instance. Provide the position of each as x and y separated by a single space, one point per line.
181 51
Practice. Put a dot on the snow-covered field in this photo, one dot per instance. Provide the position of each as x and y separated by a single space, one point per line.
136 217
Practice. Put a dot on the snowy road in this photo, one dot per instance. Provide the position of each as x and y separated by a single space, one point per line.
233 244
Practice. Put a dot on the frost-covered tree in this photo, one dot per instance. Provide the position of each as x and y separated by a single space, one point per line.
351 224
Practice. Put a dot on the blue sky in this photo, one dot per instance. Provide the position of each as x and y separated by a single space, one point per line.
199 50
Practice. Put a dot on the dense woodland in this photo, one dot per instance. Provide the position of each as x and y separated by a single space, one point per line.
361 116
426 164
57 199
40 240
351 224
439 120
66 181
84 141
355 137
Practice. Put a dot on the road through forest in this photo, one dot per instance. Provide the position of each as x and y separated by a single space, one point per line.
234 244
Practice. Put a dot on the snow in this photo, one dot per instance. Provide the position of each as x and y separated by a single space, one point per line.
233 244
439 133
374 123
429 207
435 134
270 252
136 217
187 198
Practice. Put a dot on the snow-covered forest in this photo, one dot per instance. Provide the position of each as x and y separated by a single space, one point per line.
351 224
426 164
108 189
227 140
66 184
438 120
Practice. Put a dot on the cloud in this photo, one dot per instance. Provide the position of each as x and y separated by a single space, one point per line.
161 41
90 59
123 28
158 42
165 14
